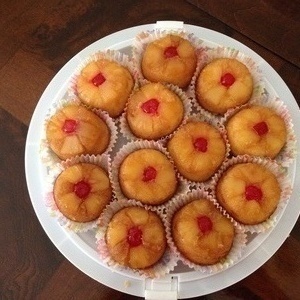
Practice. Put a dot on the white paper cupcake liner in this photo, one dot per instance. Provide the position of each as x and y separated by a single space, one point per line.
100 160
165 265
48 157
239 242
283 180
125 128
144 38
227 52
130 147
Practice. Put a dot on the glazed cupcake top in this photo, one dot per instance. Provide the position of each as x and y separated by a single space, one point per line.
135 237
198 149
75 130
82 191
105 84
249 192
222 84
256 130
154 111
201 233
148 175
171 59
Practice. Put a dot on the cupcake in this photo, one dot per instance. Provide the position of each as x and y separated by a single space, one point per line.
222 84
147 175
82 191
75 130
136 238
201 233
198 149
249 192
171 59
105 84
256 130
154 111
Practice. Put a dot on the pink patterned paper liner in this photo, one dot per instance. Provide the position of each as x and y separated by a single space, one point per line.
165 265
284 182
239 242
101 160
144 38
131 147
125 129
213 122
48 157
288 154
112 55
227 52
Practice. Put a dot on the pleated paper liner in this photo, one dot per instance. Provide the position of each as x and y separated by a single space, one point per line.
164 266
102 161
282 178
239 241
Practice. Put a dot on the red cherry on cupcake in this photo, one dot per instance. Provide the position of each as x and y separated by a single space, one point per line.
134 236
261 128
82 189
98 79
150 106
200 144
227 80
205 224
69 126
149 174
170 52
253 192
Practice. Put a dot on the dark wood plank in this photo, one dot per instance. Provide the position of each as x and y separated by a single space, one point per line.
273 24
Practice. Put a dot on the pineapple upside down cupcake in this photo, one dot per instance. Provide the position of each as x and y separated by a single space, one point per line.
147 175
154 111
82 191
198 149
106 85
222 84
136 237
249 192
75 130
256 130
171 59
201 233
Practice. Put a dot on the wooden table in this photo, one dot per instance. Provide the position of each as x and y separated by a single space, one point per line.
37 39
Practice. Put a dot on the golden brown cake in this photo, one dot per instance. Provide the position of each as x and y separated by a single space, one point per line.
257 131
75 130
198 149
201 233
148 176
249 192
136 238
82 191
106 85
170 59
222 84
154 111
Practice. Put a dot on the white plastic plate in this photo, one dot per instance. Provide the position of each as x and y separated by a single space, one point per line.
80 249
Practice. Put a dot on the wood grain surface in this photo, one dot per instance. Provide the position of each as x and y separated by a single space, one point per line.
37 39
